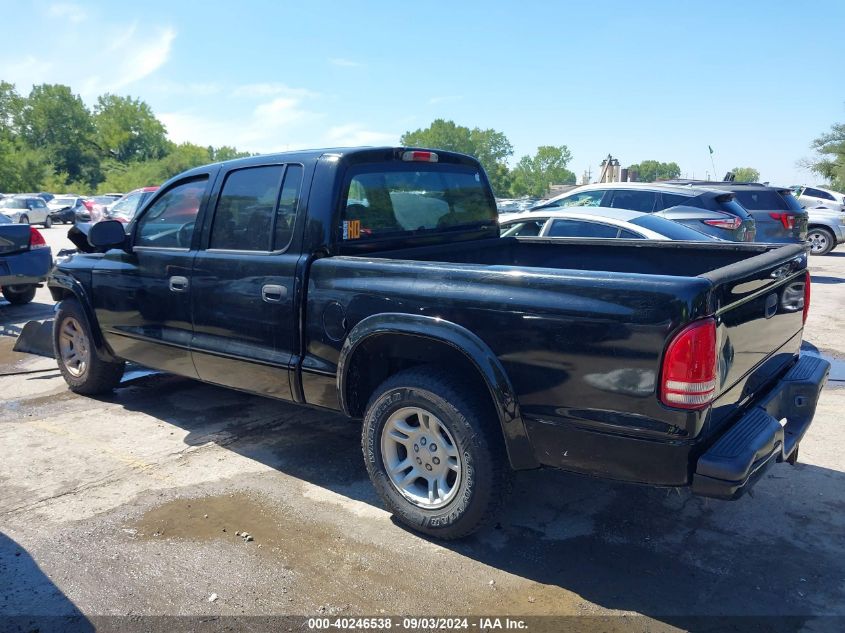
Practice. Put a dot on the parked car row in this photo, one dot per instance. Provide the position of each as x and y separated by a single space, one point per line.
740 212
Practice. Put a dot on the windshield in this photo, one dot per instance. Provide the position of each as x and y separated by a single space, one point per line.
412 198
63 201
127 205
13 203
670 229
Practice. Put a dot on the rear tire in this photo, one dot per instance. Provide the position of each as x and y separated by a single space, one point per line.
434 451
83 370
19 295
821 241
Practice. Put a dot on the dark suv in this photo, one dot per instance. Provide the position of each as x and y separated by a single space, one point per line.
708 211
779 215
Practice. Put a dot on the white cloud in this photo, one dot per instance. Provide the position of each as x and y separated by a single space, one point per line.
344 63
89 66
272 126
354 134
72 13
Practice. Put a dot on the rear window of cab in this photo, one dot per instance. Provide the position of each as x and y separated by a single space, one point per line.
408 199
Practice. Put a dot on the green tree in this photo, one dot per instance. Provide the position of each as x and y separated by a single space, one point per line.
533 174
831 162
746 174
56 122
225 152
128 176
653 170
127 130
11 105
490 147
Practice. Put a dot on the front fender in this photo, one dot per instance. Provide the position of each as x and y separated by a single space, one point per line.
520 451
63 286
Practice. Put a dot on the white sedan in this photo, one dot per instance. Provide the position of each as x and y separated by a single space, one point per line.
597 223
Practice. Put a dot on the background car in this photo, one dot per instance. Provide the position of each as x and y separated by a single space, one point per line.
125 209
25 209
814 197
778 214
718 213
25 260
515 205
597 223
63 208
96 208
826 229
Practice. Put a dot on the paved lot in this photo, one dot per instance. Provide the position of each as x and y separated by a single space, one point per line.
130 505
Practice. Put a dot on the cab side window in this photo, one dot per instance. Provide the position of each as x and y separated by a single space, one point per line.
243 220
169 221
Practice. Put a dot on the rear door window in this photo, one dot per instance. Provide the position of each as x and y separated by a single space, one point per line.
582 228
633 200
528 228
288 203
243 220
668 200
582 199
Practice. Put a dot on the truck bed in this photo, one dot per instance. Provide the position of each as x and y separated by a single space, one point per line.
581 328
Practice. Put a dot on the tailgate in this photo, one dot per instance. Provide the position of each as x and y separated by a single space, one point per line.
14 238
759 304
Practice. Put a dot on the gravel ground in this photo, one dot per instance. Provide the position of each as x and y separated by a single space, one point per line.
132 505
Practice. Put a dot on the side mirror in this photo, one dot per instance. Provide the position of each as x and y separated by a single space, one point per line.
107 234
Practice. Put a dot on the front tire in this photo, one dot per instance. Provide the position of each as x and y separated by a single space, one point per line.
24 219
821 241
19 295
434 452
83 370
48 222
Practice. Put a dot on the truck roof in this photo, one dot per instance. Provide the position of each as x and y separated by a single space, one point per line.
363 154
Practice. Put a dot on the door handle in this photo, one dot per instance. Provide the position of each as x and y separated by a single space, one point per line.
178 284
272 293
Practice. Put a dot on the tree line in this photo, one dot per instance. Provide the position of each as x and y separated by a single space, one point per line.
50 140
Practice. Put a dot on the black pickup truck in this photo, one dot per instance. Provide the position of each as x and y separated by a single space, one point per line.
374 282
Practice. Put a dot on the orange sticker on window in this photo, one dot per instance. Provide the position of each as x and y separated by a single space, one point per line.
352 229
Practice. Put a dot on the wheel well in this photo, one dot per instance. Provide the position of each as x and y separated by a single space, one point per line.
819 226
61 293
383 355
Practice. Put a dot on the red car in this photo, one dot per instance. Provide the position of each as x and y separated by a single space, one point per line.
125 209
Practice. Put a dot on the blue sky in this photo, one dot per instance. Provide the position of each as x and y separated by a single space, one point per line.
641 80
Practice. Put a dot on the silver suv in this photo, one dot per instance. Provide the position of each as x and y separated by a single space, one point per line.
813 197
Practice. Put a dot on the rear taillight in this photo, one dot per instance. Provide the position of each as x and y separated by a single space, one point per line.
688 376
728 223
418 156
787 219
36 240
806 296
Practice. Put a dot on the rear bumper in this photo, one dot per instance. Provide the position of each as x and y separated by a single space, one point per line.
29 267
759 439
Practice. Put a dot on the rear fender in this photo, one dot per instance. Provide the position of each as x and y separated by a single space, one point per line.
520 451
